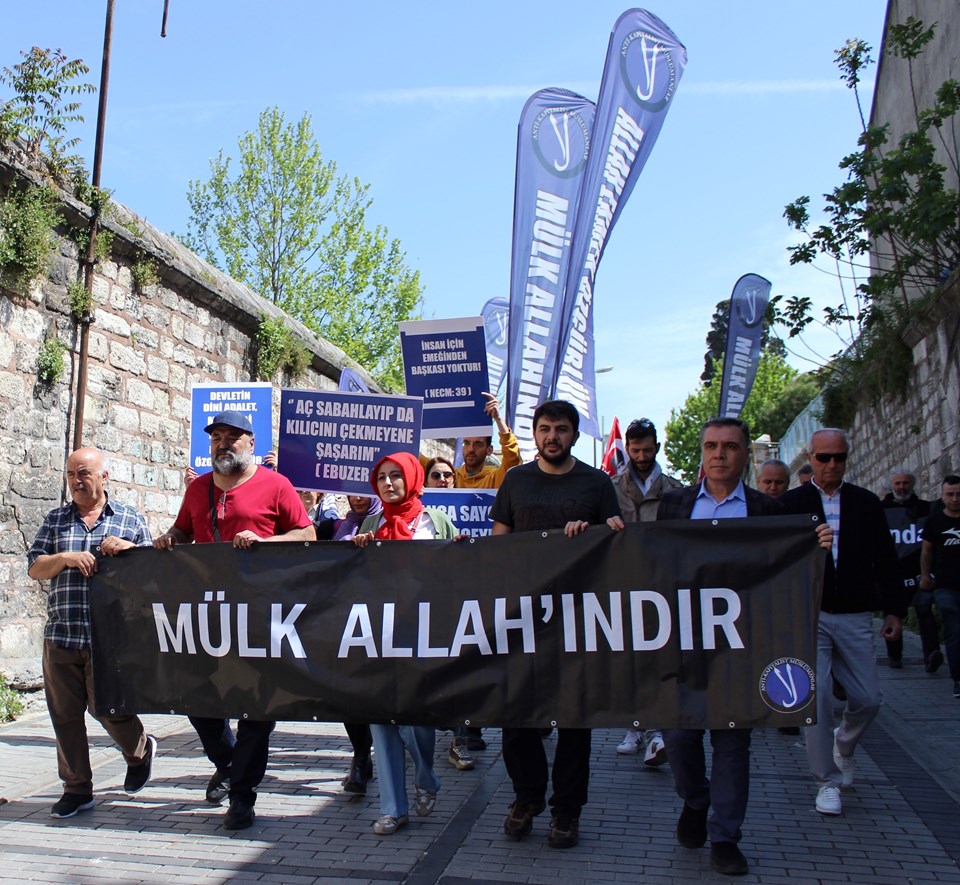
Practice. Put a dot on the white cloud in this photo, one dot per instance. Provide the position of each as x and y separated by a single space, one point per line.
438 95
770 87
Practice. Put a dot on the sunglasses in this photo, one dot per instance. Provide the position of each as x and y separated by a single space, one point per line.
436 474
640 424
827 457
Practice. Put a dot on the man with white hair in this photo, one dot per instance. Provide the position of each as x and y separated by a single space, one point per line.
860 577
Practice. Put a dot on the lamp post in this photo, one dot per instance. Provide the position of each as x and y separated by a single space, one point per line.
601 371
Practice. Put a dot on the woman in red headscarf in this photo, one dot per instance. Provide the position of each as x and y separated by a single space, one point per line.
398 481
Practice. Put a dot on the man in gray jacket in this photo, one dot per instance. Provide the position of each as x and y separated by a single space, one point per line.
640 486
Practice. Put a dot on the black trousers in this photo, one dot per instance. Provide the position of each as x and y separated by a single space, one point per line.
360 738
246 758
526 761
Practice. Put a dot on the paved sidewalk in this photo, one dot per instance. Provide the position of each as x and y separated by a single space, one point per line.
900 821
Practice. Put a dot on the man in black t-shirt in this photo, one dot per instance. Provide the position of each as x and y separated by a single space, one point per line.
940 569
556 491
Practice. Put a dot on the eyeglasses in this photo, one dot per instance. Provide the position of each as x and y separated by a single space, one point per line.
640 424
827 457
223 506
436 474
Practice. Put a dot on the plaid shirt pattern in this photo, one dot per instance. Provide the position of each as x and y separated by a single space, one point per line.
63 531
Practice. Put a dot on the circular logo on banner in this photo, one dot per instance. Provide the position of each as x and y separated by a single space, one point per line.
748 309
648 69
787 684
561 141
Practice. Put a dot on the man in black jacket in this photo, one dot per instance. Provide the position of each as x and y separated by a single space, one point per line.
725 444
902 499
861 576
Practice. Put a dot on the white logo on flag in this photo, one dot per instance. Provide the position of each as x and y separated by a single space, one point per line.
649 68
563 140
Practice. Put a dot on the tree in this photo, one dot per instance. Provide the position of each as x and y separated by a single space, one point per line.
778 395
39 111
717 341
283 222
892 233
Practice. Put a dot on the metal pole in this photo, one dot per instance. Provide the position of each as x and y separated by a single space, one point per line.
90 260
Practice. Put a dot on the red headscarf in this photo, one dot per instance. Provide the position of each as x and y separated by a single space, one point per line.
398 518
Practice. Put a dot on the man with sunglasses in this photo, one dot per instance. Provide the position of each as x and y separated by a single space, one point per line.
243 504
861 576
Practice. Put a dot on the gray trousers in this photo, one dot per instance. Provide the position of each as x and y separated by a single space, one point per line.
846 649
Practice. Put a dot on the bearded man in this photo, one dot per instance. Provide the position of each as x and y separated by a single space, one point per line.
243 504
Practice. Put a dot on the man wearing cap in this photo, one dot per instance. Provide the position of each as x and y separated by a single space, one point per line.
244 504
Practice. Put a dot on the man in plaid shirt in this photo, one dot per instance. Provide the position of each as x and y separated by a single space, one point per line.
65 553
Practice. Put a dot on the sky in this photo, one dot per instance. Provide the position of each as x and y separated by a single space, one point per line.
421 101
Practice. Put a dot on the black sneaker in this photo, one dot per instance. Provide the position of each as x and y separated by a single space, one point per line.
71 803
519 821
934 661
139 774
727 859
239 815
476 744
219 786
692 827
564 832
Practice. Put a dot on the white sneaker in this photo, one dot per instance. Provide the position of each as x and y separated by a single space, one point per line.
846 764
388 825
424 802
656 751
631 743
828 800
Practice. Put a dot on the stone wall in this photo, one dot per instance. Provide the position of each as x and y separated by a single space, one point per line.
146 350
921 432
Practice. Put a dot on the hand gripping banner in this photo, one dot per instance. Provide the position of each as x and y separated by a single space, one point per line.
643 67
692 623
748 308
553 143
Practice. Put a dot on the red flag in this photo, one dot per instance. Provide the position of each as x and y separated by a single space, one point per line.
615 455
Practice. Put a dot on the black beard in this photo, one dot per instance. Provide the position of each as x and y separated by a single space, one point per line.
556 460
227 463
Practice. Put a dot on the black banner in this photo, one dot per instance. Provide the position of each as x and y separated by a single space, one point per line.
697 623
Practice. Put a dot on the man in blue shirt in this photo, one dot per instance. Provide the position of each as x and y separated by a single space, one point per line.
65 552
725 444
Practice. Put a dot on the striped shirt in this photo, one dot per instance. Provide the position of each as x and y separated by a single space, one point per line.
64 531
831 512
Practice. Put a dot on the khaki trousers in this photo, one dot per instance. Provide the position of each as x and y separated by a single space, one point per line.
68 681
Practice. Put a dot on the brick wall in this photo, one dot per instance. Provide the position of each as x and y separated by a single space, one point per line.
146 350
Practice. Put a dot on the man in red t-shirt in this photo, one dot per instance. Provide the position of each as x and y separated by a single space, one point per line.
244 504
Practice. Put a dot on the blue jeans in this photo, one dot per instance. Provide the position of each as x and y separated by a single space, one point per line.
948 601
846 648
389 742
